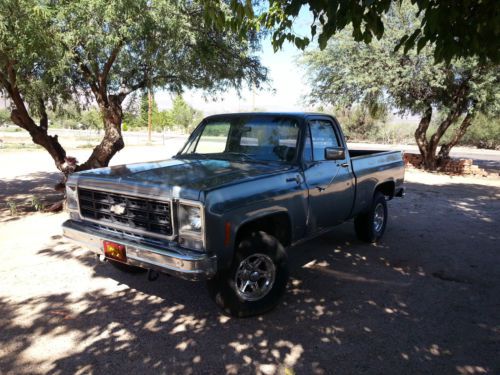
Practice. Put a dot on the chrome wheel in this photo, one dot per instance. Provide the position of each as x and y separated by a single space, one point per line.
255 277
378 218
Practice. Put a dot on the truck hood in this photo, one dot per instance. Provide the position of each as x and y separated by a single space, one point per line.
174 178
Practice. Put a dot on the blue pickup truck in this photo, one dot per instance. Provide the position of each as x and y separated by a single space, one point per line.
228 206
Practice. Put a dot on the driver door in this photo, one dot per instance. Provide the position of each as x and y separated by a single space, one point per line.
329 182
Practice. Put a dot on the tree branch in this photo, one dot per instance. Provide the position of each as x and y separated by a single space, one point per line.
11 87
87 73
111 60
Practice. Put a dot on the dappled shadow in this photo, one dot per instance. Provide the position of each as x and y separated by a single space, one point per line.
490 166
423 300
22 189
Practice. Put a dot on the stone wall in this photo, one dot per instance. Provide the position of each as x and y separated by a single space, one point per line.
451 166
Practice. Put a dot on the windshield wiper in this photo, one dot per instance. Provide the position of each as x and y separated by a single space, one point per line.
245 155
192 154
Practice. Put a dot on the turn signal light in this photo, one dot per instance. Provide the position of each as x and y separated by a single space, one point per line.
114 251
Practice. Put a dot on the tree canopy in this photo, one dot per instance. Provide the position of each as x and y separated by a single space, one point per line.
347 72
102 51
457 28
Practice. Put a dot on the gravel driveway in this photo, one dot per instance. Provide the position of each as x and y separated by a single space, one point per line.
424 300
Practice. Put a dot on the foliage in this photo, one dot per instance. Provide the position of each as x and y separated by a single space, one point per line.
70 116
91 119
483 133
36 203
358 123
181 115
463 28
4 117
29 50
215 130
347 72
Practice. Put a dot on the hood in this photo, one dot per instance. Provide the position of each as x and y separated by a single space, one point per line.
177 178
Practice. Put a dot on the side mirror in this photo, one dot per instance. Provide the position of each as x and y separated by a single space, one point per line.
334 153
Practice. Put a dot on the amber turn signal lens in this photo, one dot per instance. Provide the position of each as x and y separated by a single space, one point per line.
114 251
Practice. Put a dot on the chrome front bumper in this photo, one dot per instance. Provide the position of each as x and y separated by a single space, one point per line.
180 262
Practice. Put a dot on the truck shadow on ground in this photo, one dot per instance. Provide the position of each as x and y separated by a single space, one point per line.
423 300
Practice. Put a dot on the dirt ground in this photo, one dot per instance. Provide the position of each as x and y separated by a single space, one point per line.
426 299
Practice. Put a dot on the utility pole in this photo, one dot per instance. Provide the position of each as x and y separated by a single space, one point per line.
150 112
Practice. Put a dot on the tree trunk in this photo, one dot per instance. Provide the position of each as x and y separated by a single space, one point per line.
444 152
112 141
428 156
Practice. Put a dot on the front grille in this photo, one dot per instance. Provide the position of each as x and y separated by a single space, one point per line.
139 214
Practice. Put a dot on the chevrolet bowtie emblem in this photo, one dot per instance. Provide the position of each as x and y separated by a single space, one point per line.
118 209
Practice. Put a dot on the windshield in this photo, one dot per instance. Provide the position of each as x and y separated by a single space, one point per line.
267 138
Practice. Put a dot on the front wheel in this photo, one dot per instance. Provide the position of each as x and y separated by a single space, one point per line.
256 279
370 226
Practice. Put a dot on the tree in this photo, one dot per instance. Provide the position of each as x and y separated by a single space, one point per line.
457 28
103 51
182 114
347 72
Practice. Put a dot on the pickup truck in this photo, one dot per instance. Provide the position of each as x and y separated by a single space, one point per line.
226 208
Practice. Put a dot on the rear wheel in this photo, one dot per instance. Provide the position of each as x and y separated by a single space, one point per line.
370 226
127 268
255 281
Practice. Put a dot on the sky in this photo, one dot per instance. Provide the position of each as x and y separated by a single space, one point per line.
287 84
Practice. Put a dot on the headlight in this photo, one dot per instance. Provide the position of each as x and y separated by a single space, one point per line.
190 220
71 197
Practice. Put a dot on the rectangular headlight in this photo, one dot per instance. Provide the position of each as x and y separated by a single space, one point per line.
191 226
190 219
71 197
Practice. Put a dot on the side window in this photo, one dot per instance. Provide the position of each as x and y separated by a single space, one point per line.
323 135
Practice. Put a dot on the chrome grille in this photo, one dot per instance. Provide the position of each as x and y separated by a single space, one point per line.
139 214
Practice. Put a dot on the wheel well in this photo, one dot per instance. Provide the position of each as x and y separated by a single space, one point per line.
386 188
277 225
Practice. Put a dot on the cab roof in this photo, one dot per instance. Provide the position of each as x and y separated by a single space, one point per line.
301 115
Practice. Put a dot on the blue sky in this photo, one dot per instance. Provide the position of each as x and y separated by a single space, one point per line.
287 83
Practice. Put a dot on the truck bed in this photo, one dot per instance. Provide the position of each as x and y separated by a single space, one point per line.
372 168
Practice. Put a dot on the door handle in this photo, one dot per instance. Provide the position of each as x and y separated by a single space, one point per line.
344 165
295 179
